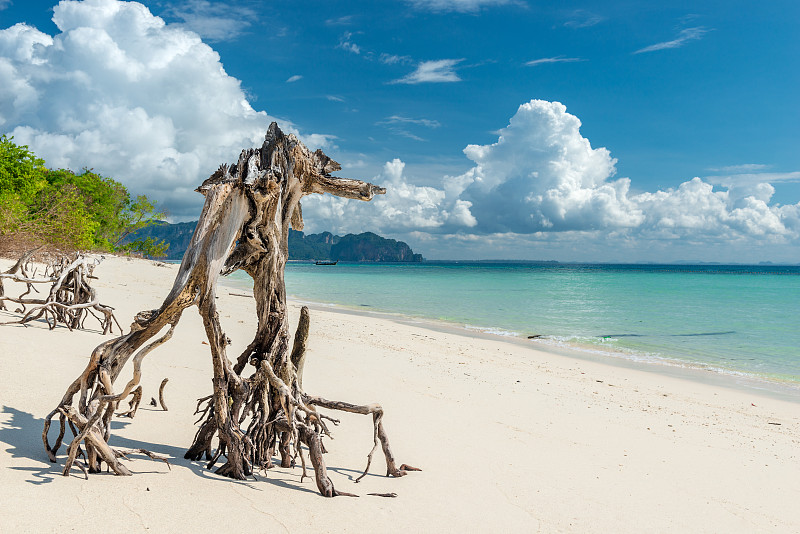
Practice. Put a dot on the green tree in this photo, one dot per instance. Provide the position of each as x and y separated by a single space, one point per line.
149 246
21 178
60 217
104 201
21 172
83 211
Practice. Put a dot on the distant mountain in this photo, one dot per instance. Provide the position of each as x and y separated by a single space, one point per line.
371 247
325 246
178 236
312 246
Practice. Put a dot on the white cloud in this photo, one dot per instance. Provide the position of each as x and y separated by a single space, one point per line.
695 211
4 4
463 6
542 175
294 78
397 123
754 178
437 71
685 35
398 119
580 18
543 182
556 59
405 207
120 91
391 59
745 167
217 21
345 43
340 21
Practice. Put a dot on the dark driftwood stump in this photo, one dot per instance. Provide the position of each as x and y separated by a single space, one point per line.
253 415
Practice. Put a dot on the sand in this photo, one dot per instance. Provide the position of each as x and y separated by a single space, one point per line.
509 437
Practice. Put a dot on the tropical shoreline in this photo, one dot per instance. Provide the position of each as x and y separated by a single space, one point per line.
784 389
719 319
509 437
656 362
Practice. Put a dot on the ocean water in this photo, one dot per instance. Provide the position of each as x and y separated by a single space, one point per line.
737 320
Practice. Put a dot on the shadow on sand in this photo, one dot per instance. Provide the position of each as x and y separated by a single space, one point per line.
23 434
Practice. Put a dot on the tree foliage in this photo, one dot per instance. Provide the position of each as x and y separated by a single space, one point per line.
76 211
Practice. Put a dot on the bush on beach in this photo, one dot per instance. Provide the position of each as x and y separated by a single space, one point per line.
66 211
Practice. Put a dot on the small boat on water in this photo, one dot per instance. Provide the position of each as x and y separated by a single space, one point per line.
325 262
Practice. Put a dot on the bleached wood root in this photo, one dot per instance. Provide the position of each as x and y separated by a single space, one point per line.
70 300
249 208
161 400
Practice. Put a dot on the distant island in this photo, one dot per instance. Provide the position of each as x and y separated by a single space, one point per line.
366 246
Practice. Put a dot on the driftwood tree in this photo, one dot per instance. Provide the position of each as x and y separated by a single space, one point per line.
250 415
70 299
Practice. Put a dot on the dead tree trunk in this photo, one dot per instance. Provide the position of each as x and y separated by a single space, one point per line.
245 223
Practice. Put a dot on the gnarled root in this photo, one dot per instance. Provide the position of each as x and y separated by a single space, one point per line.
133 404
379 433
70 300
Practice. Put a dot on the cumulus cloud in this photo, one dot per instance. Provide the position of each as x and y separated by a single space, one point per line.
463 6
543 178
404 208
437 71
294 78
119 90
542 175
686 35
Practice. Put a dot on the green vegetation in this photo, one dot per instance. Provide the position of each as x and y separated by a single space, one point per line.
312 246
368 246
83 211
177 236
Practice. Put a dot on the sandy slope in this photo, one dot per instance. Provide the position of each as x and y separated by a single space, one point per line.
510 438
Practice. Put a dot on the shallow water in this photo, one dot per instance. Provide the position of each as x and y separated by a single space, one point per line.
732 319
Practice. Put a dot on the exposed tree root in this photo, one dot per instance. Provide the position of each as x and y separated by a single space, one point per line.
161 394
70 300
22 266
253 417
133 404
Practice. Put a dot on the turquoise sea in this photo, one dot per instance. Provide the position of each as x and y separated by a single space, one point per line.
734 320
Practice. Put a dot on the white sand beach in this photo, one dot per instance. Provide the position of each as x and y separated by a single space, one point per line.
509 438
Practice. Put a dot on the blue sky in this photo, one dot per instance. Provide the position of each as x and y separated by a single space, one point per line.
604 131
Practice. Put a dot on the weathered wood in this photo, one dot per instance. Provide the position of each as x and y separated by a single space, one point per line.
12 273
133 404
161 400
298 356
249 208
70 300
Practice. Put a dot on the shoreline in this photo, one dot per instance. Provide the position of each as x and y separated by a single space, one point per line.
788 390
509 437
